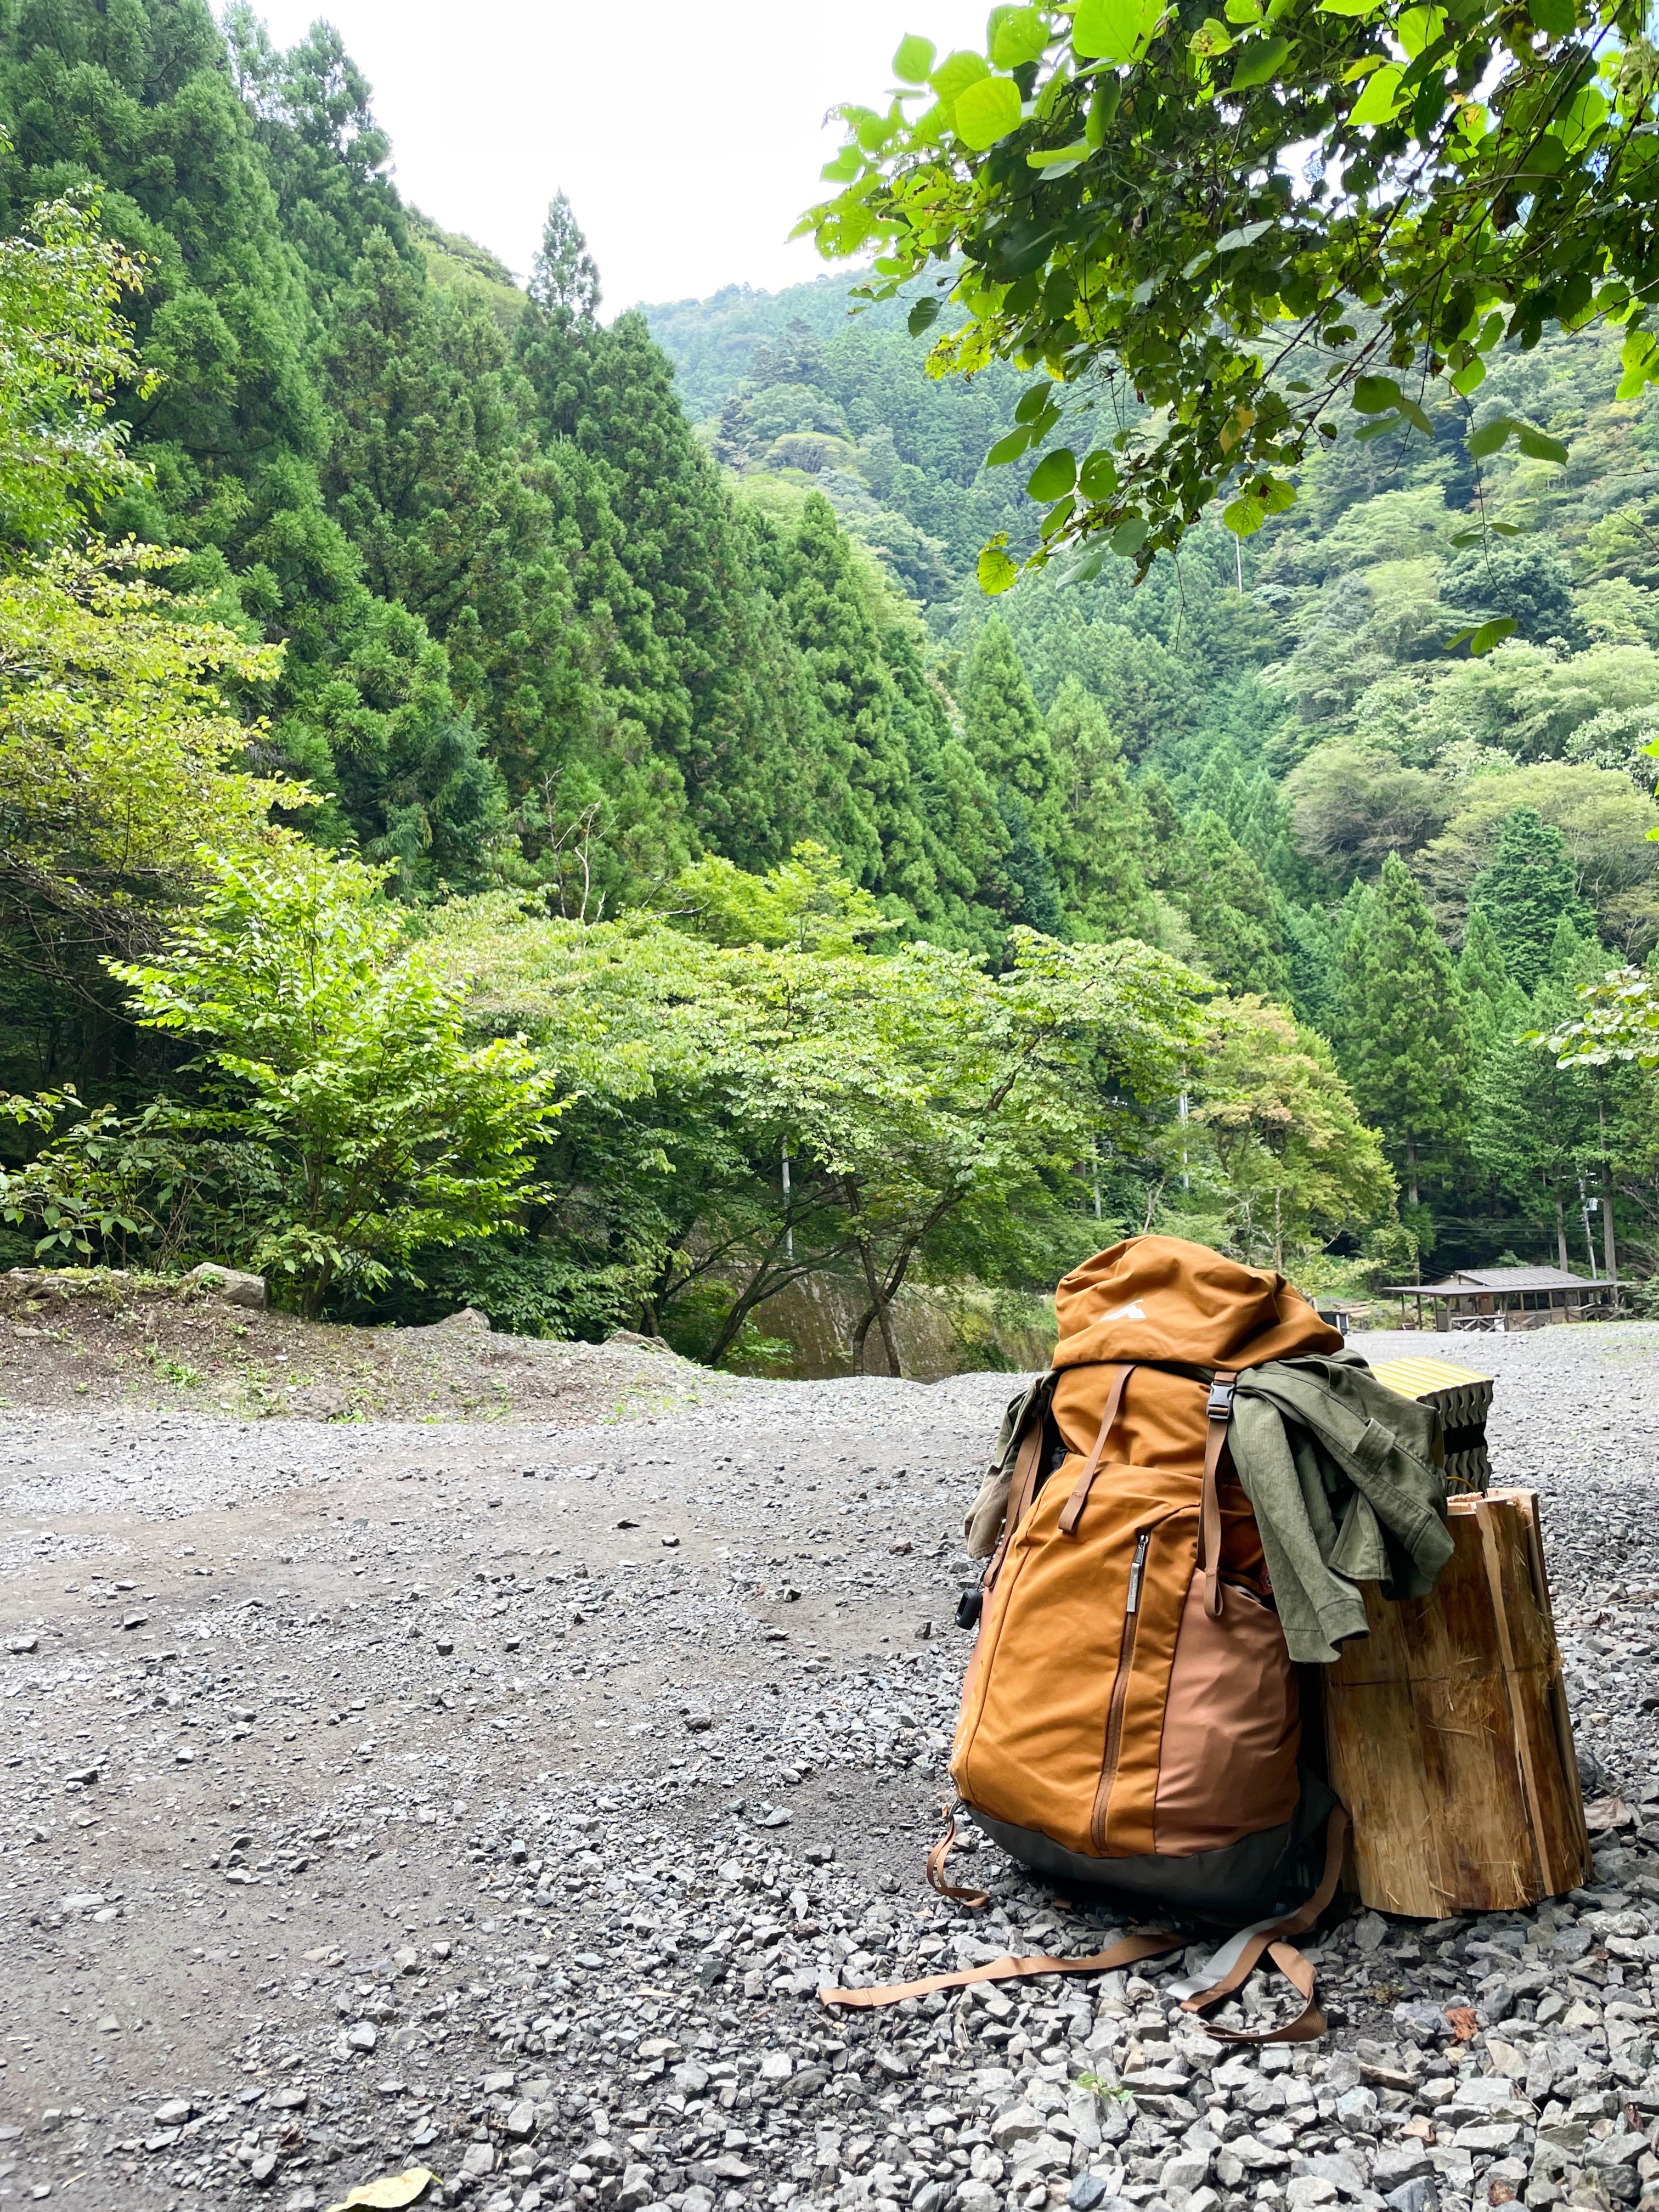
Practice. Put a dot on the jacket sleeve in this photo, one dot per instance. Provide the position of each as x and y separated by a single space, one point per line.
1285 1479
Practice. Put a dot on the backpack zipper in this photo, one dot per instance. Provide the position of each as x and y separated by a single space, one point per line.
1120 1692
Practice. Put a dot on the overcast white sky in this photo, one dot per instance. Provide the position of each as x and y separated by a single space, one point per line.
689 137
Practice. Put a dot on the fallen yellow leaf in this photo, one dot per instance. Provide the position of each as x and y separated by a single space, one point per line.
390 2192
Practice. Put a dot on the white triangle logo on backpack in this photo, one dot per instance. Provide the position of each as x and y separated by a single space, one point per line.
1134 1311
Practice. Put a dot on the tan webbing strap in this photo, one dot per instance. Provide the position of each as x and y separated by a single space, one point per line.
1072 1511
973 1899
1209 1535
1124 1953
1296 1969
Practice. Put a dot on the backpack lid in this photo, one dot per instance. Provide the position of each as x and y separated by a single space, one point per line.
1162 1298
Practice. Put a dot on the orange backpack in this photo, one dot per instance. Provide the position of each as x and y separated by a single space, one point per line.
1130 1713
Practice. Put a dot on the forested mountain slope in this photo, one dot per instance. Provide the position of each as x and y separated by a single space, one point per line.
1240 742
580 630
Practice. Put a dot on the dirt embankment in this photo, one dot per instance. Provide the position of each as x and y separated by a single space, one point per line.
73 1339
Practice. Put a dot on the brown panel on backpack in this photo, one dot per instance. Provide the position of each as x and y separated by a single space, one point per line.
1231 1731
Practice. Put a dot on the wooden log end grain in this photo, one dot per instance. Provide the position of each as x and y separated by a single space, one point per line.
1448 1732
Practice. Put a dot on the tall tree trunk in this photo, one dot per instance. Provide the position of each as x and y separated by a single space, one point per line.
1561 1235
1411 1170
880 1313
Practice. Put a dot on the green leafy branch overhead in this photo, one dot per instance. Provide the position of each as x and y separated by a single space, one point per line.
1208 238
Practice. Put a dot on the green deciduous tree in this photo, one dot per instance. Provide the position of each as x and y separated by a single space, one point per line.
64 345
118 757
1299 1164
1111 193
332 1052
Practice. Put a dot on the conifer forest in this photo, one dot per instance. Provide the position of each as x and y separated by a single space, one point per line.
604 817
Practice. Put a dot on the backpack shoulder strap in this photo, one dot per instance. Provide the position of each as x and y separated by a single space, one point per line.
1218 1410
1072 1512
1237 1958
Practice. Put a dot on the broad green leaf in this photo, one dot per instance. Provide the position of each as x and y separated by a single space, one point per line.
1469 377
1247 236
1244 516
845 166
1537 447
1371 394
1416 29
924 312
1378 426
1098 478
1380 98
1089 567
956 73
989 110
1017 35
1032 402
1349 7
914 61
1009 448
1639 359
1056 157
1585 114
1114 30
1415 416
1491 634
1491 437
1258 62
996 571
1053 476
1210 37
1461 539
1553 16
1129 537
1059 515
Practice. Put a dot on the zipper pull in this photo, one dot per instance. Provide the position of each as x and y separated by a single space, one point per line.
1143 1544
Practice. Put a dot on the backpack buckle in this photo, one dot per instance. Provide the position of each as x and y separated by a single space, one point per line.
1219 1405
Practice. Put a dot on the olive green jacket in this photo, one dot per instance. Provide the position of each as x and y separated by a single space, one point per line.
1345 1479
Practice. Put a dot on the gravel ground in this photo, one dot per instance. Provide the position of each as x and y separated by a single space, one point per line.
496 1798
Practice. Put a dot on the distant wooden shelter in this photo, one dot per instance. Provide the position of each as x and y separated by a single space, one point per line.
1501 1298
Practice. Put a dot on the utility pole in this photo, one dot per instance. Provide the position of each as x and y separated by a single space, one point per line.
1586 1207
789 1226
1609 1250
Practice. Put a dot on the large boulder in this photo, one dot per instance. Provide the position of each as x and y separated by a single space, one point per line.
229 1283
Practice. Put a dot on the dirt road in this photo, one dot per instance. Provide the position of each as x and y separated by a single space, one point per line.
495 1797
